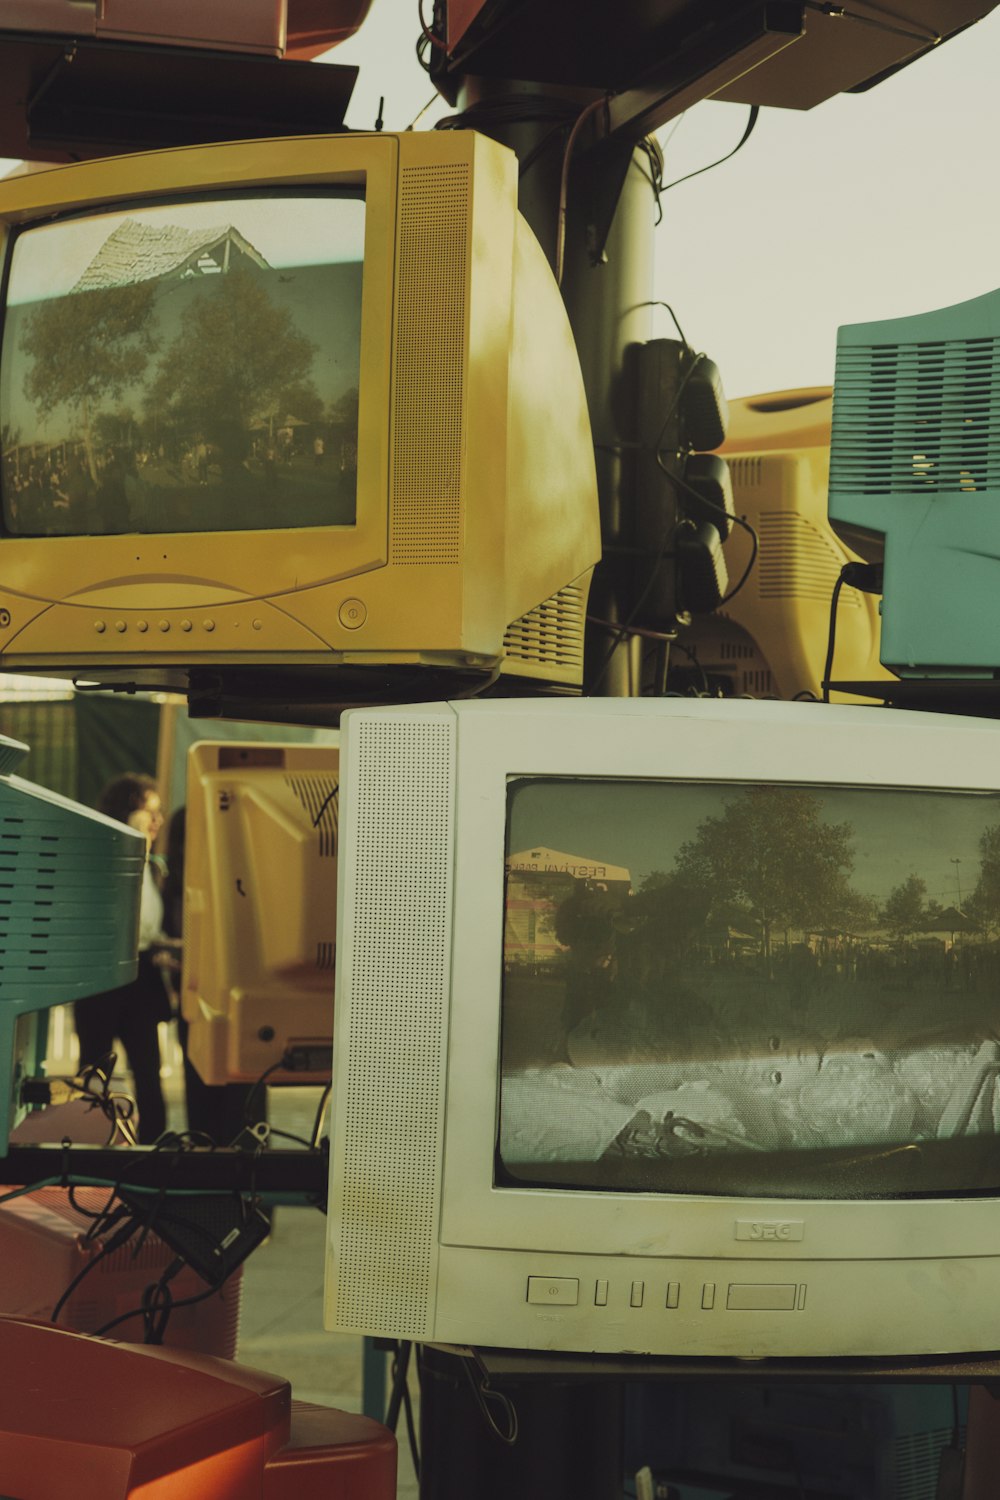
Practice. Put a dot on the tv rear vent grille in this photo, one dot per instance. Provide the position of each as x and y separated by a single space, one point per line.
917 1459
917 419
797 561
326 955
551 634
425 515
399 914
746 473
317 791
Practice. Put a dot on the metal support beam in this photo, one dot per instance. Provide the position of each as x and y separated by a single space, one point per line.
708 61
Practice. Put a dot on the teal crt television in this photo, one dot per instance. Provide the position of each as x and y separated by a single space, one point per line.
70 883
915 481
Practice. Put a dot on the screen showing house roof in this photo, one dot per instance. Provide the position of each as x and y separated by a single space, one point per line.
190 366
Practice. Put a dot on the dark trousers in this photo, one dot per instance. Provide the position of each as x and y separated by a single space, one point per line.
131 1014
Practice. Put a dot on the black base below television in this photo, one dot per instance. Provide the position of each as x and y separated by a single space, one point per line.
977 697
505 1365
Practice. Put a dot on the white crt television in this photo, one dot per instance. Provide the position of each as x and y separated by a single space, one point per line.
668 1027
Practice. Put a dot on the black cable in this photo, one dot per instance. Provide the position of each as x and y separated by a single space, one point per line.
326 803
831 635
411 1432
318 1121
286 1135
654 156
89 1213
751 122
123 1235
251 1098
864 576
692 656
527 161
400 1397
428 32
137 1312
657 302
737 520
398 1370
484 1393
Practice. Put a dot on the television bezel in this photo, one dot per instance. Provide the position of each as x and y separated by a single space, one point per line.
108 569
800 744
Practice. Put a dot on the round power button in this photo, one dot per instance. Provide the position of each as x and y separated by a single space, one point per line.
352 614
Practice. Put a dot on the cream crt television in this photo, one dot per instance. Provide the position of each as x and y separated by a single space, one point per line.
660 1027
771 639
260 896
288 421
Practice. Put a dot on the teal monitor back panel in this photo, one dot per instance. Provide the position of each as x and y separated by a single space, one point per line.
70 885
915 479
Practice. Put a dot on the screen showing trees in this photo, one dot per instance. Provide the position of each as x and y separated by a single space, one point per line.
751 989
188 367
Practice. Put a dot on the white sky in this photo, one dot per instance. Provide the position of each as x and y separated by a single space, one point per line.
869 206
872 205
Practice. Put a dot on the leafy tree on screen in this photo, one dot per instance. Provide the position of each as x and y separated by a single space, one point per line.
771 854
235 354
86 350
983 906
905 908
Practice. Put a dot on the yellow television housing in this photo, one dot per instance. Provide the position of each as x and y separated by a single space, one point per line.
770 640
278 407
260 910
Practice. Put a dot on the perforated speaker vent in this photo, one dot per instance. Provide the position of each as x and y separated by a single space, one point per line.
400 916
551 634
317 791
914 419
425 515
797 561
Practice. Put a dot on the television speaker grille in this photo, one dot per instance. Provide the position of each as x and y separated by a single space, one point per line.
397 988
425 516
916 419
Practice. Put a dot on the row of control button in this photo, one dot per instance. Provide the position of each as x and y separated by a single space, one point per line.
564 1291
143 625
352 615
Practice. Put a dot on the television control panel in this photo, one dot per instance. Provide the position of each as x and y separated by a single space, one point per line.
738 1296
746 1306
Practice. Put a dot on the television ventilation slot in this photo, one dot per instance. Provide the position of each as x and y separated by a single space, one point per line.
318 794
797 561
551 634
918 1457
12 754
746 473
325 955
917 419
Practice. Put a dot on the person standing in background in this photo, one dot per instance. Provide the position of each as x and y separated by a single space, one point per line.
132 1013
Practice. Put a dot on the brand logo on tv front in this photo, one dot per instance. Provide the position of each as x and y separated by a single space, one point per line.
779 1231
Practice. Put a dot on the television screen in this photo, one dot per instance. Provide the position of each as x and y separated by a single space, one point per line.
749 989
186 366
